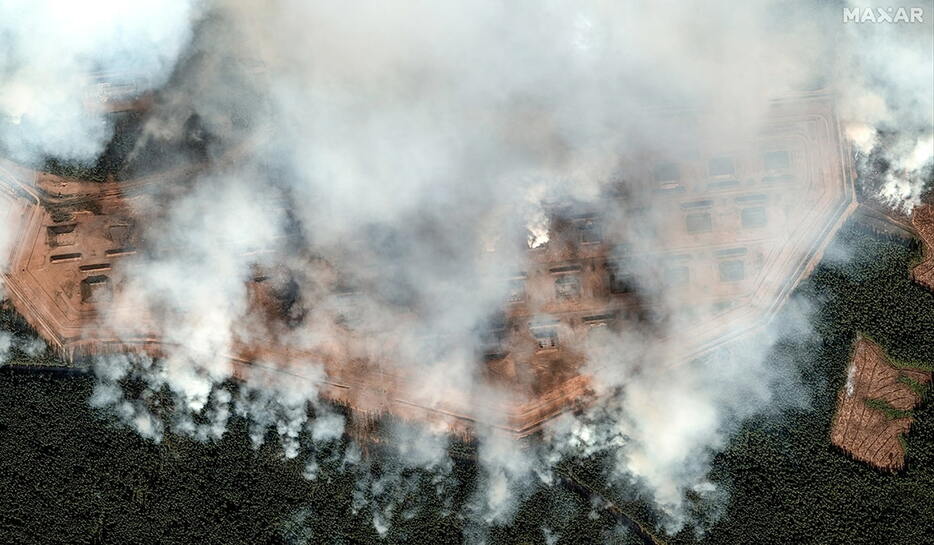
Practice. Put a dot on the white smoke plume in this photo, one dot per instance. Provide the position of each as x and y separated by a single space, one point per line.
57 59
50 51
887 92
403 149
6 343
551 538
669 420
22 346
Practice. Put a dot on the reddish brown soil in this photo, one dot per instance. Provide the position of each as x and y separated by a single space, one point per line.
68 278
923 221
867 433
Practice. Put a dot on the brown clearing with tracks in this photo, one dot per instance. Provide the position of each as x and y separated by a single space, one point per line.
872 408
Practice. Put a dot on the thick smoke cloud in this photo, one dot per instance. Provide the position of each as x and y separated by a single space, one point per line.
49 53
6 343
394 156
887 87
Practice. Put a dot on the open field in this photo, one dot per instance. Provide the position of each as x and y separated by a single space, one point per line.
874 407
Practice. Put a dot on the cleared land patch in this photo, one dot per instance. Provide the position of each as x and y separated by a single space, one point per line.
874 407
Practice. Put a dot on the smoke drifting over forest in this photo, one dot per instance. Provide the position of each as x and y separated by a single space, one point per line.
394 146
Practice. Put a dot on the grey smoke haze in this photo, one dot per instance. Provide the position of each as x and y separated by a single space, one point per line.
30 347
6 343
887 86
407 143
49 51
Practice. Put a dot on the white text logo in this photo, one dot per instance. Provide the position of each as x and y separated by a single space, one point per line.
883 15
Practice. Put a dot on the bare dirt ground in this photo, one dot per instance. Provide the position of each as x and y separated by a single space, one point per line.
873 408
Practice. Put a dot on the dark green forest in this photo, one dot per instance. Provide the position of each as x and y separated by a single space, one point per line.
72 474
